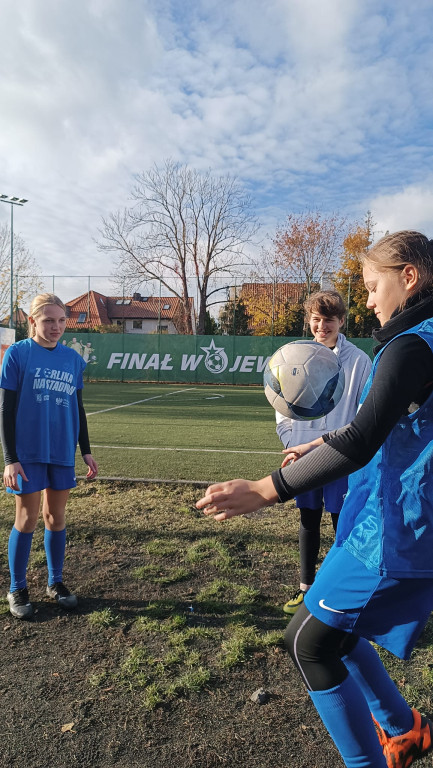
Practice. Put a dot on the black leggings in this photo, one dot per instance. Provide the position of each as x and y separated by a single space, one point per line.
317 650
309 541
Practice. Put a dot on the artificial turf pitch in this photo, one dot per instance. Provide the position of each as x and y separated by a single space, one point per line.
180 432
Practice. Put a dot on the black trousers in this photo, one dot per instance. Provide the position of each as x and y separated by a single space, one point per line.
309 541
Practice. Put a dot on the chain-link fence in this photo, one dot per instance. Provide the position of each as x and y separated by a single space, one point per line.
69 287
272 309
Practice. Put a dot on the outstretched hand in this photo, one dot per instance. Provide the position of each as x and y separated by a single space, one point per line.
237 497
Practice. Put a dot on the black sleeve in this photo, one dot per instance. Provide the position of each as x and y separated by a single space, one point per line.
315 469
8 400
402 381
83 435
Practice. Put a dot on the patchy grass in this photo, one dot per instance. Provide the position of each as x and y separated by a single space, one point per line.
153 573
179 622
213 551
242 642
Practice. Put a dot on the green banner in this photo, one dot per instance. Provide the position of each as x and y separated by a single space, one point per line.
182 359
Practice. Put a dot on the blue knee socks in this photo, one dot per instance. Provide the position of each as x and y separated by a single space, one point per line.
55 543
345 713
385 701
19 552
18 555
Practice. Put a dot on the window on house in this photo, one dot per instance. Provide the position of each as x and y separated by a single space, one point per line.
123 301
82 317
166 306
162 329
119 322
137 324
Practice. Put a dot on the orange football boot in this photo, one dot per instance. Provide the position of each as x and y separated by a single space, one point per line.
402 751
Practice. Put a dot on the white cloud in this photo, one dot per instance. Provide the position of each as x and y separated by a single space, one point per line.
313 103
409 208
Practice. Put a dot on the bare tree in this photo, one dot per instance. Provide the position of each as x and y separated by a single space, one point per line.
25 270
309 245
183 225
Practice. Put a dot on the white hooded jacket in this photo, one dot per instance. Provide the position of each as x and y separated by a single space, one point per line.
357 366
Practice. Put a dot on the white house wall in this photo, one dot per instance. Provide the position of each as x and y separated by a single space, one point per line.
149 326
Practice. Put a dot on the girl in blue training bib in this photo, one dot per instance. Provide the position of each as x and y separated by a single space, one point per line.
376 583
42 419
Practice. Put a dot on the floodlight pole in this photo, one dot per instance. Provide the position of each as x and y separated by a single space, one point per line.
12 201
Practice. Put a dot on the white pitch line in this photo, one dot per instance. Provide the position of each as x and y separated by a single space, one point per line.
184 450
146 399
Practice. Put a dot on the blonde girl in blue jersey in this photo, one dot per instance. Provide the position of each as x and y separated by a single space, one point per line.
376 583
41 420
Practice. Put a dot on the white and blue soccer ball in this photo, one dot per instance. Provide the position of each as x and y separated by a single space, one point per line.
303 380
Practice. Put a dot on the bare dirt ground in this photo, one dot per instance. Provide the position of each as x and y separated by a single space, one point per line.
68 697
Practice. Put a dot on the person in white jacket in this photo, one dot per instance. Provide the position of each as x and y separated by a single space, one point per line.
325 312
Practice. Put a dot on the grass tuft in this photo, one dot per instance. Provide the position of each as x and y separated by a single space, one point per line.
191 681
212 550
103 619
152 697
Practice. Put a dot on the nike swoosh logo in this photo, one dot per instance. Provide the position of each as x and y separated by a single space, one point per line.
326 607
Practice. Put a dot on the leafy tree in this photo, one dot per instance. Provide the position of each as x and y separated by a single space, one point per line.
270 311
274 305
211 327
308 246
349 281
21 331
26 283
183 225
295 320
303 250
107 328
103 328
234 319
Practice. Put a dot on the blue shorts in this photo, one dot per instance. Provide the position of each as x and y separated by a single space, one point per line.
41 476
331 497
390 612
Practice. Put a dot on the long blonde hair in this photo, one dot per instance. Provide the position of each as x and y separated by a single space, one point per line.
37 306
395 251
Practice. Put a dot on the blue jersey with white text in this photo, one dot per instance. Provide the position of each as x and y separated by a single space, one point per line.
387 516
46 382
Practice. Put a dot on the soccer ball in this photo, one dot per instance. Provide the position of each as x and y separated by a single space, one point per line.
303 380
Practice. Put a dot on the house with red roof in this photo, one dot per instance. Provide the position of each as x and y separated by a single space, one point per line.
19 318
134 314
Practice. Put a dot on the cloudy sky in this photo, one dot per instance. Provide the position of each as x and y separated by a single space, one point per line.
312 104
